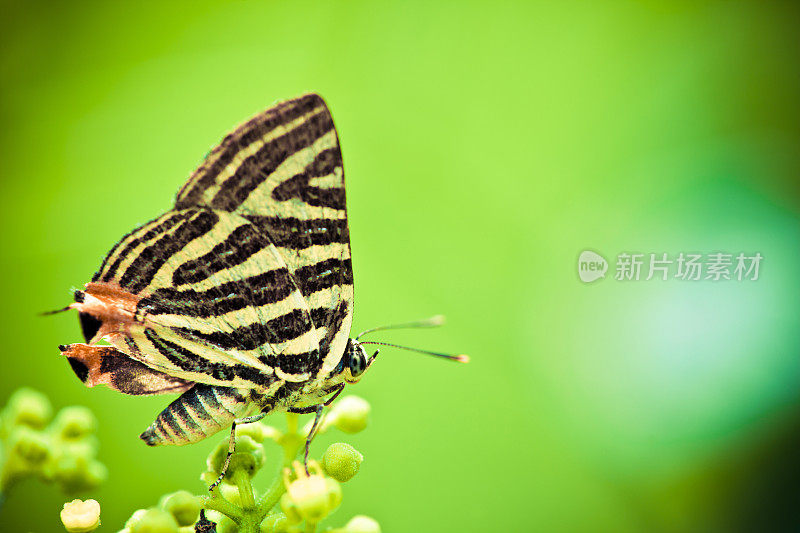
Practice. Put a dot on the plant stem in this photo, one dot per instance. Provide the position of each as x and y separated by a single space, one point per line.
250 524
242 480
291 443
291 422
250 515
223 506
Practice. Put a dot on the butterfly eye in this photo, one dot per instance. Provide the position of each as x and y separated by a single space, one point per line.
358 363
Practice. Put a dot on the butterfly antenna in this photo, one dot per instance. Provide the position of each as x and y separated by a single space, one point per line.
78 295
461 358
55 312
432 322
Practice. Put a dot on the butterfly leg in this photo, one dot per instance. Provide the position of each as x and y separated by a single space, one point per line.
310 436
232 445
317 409
339 389
304 411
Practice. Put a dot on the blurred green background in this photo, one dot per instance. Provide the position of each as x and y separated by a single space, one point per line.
485 146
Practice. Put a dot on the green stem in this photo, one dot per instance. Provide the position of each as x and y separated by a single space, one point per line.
242 480
311 527
291 422
250 516
223 506
250 524
291 443
271 497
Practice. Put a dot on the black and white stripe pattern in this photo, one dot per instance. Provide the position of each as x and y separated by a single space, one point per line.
198 413
283 172
247 284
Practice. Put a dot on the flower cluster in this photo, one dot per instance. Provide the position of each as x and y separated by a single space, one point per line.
296 501
175 513
61 451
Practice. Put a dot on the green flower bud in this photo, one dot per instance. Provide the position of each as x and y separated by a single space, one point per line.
249 455
183 506
208 477
75 422
254 430
155 521
362 524
290 510
96 474
135 517
78 474
84 448
309 492
334 493
81 517
222 522
350 414
27 407
226 525
275 523
30 447
231 493
341 461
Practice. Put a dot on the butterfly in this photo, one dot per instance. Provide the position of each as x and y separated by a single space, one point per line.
240 297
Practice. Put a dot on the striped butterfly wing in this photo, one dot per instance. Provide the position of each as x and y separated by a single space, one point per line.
283 172
208 299
244 285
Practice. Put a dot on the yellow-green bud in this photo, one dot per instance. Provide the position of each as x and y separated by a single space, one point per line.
290 510
27 407
249 455
208 477
341 461
351 413
135 517
275 523
183 506
155 521
77 474
28 445
81 517
231 493
96 474
223 523
362 524
334 493
74 423
255 431
84 448
309 492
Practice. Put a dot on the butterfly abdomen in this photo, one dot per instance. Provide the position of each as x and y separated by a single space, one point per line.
198 413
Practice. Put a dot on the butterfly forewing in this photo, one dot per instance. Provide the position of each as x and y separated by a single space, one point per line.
283 171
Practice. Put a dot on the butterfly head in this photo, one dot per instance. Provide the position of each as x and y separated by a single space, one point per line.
355 361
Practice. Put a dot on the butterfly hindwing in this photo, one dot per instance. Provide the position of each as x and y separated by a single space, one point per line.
208 299
105 365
